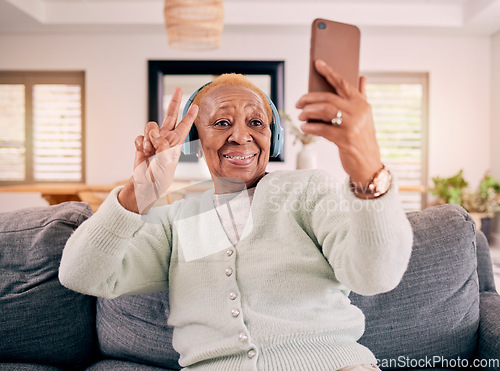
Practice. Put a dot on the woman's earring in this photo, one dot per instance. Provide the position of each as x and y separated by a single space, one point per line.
199 154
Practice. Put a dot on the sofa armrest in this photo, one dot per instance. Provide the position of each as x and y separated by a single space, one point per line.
484 266
489 329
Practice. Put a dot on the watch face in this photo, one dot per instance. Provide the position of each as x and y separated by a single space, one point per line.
382 182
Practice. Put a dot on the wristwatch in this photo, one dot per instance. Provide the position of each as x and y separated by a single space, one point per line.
378 185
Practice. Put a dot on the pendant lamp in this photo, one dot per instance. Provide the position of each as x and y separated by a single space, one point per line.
194 24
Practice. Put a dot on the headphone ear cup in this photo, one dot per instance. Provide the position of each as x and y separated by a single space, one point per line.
277 132
273 139
191 143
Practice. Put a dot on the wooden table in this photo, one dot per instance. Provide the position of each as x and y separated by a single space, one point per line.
412 188
95 194
56 193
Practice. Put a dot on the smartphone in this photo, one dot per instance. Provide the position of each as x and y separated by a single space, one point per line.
338 45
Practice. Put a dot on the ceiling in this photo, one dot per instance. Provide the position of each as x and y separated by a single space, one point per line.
470 17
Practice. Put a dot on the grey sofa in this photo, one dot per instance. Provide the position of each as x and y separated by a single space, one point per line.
444 314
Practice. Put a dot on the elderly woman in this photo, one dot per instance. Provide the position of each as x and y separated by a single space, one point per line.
258 269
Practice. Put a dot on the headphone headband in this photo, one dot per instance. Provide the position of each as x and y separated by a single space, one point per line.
190 145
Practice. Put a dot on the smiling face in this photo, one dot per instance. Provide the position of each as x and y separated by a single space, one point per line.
235 135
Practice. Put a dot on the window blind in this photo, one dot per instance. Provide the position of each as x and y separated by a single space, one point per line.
41 127
57 123
12 138
399 111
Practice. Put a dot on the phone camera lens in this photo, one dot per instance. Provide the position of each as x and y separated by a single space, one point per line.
321 25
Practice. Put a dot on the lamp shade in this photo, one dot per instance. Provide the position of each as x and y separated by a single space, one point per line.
194 24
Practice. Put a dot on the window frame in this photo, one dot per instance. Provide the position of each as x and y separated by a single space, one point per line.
29 79
158 69
387 77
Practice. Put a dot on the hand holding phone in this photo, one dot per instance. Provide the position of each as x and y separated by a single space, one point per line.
342 117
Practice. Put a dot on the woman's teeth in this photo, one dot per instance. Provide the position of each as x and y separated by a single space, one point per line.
239 157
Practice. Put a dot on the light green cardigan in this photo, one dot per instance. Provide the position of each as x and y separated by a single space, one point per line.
278 300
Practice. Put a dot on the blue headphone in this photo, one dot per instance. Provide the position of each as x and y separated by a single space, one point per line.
190 145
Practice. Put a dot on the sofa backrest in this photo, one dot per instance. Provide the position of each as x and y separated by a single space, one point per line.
40 320
432 317
134 328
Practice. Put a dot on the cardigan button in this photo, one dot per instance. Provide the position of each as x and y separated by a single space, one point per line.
229 271
233 295
235 312
229 252
251 353
243 337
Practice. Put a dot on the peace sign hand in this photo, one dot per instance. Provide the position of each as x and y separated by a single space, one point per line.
156 157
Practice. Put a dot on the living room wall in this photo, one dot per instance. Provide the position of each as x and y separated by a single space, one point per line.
495 129
459 70
495 106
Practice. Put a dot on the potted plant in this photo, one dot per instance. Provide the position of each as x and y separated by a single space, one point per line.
449 190
305 158
481 203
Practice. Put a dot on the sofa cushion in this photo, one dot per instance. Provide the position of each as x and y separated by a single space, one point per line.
435 309
40 320
134 328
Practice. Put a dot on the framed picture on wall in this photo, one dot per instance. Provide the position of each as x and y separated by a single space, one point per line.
165 76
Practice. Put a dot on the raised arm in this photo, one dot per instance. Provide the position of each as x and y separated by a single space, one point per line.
368 240
354 130
119 250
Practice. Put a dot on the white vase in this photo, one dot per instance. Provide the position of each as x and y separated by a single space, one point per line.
306 159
